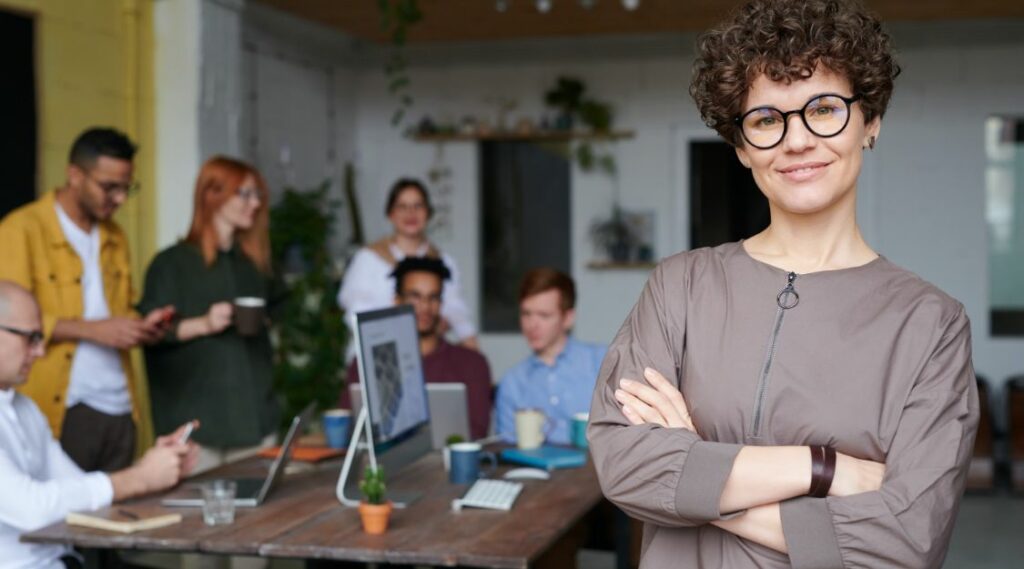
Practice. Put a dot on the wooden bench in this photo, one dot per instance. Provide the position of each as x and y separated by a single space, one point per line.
981 474
1015 420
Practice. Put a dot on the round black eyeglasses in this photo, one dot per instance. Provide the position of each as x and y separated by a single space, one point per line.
824 115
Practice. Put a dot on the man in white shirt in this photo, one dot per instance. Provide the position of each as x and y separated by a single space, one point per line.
40 483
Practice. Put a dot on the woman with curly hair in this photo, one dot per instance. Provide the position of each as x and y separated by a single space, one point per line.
793 399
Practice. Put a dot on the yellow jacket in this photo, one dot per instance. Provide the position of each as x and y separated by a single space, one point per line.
38 257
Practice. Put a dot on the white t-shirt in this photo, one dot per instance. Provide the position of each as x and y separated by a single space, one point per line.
97 378
40 484
368 286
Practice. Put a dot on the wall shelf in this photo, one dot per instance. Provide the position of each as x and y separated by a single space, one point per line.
615 266
542 136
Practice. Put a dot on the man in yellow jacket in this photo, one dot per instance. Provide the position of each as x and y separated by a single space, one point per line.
66 249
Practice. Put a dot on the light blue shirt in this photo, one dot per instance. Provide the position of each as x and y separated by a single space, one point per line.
560 390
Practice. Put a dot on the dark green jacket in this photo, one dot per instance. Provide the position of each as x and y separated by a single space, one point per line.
224 380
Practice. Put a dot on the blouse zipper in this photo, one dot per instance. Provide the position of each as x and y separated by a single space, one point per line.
786 299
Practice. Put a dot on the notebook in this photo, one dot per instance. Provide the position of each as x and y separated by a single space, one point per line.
121 520
546 457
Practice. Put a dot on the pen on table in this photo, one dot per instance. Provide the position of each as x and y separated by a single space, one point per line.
128 514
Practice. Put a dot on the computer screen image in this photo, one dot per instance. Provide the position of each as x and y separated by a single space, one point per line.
391 371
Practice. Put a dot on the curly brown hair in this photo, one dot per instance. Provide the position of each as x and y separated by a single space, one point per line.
786 40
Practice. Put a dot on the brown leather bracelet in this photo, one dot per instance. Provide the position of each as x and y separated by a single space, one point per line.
817 468
823 470
830 472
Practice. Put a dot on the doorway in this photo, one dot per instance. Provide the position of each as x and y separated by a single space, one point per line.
725 203
18 146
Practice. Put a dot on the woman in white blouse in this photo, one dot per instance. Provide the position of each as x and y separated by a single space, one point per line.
368 283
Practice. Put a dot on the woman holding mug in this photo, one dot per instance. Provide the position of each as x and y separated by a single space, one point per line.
794 399
368 283
214 364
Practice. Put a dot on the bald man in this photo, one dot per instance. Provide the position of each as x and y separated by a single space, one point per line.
40 483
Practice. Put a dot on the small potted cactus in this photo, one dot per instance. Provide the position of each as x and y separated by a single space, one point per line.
374 510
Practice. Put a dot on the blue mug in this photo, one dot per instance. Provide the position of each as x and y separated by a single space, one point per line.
464 462
337 423
579 429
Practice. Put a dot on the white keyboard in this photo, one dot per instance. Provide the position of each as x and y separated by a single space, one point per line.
490 494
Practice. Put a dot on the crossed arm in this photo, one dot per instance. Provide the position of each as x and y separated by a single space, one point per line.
761 477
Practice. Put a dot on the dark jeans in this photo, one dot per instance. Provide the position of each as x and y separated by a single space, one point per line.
97 441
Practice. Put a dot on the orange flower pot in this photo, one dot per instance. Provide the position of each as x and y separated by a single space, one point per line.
375 517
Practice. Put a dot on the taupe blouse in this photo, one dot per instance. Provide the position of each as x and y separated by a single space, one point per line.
871 360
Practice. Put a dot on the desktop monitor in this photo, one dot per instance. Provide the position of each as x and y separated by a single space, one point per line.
391 372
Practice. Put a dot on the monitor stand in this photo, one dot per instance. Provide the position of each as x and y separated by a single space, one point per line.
393 459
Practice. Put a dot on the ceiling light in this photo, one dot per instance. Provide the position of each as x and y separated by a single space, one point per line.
630 4
587 4
501 5
543 6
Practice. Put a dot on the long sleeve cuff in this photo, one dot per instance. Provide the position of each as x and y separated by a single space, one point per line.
101 490
810 535
707 467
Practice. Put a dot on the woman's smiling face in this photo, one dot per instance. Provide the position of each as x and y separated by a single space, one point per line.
805 173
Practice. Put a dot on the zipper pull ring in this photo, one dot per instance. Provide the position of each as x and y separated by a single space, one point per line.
788 297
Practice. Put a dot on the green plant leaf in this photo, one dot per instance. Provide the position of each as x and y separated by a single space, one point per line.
396 18
397 83
596 115
607 164
409 12
311 326
384 7
585 156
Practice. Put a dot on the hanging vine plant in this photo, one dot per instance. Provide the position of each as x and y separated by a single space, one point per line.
396 17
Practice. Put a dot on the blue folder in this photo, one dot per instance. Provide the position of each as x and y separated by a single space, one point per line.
546 457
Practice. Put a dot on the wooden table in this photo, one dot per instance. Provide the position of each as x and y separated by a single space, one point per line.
303 519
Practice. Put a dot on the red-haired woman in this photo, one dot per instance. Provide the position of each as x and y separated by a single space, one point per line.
204 368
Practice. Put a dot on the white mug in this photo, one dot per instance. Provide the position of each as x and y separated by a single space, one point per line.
531 428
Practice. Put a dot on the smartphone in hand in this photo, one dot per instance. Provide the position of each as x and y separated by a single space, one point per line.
168 316
187 433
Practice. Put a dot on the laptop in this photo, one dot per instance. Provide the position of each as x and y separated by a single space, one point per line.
251 492
449 412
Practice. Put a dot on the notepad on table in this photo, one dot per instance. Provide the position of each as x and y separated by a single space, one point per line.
121 520
546 457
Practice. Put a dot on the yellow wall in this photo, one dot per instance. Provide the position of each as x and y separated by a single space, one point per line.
94 68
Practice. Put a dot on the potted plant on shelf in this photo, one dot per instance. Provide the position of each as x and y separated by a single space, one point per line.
374 510
570 98
614 236
566 96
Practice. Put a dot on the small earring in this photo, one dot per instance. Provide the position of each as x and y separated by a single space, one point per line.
871 143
